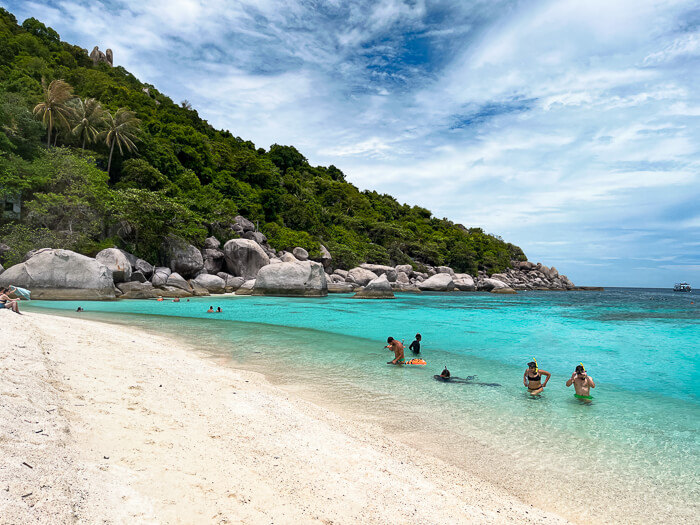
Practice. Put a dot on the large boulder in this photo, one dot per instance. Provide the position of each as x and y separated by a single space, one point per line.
115 260
440 282
405 268
379 288
231 283
464 282
326 257
288 257
258 237
244 224
138 265
177 281
489 285
361 276
183 258
246 288
212 283
211 243
300 253
137 290
244 258
303 278
160 275
61 274
213 260
445 269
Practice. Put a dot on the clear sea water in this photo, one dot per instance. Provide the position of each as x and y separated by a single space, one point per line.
632 455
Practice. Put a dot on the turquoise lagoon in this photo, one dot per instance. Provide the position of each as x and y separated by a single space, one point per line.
630 456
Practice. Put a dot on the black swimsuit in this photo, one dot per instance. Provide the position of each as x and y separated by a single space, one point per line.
538 377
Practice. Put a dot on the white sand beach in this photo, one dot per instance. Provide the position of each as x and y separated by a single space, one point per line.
101 424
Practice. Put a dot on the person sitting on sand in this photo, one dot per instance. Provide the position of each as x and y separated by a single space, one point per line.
582 383
6 302
532 378
396 347
415 345
211 310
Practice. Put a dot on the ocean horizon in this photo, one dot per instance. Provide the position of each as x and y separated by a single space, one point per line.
636 444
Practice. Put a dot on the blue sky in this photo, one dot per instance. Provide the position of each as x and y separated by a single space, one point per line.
568 127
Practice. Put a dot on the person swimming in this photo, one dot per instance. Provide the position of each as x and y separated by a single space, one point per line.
446 377
532 378
211 310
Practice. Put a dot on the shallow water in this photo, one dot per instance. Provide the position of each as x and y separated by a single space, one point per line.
637 444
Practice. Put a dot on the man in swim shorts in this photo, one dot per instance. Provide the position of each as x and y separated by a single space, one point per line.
396 347
582 383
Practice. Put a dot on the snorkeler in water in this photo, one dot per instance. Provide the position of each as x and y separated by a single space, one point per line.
446 377
532 378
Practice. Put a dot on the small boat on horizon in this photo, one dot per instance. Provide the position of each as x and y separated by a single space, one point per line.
682 287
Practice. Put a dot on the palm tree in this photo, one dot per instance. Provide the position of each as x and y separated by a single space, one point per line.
89 117
121 131
53 110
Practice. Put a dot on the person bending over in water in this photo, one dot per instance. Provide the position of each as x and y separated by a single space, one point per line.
415 345
582 383
396 347
532 378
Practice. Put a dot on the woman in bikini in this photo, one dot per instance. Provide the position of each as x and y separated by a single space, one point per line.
6 302
532 378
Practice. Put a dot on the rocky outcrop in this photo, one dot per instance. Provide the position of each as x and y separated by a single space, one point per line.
117 262
464 282
160 275
61 274
246 288
136 290
138 265
379 288
183 258
440 282
326 259
211 283
98 56
231 283
288 257
302 278
175 280
213 260
360 276
244 258
526 275
342 287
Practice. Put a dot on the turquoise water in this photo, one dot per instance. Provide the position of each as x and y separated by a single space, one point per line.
636 444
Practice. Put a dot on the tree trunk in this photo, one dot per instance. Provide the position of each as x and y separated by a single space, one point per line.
83 141
109 162
48 140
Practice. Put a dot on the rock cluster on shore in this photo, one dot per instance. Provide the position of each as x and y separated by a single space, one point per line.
249 265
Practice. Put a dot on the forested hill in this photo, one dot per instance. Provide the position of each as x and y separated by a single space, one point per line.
96 158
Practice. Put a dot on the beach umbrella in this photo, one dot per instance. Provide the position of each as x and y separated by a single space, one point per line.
20 292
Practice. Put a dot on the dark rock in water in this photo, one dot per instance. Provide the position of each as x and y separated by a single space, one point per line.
61 274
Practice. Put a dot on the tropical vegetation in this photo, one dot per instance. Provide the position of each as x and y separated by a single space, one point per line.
99 159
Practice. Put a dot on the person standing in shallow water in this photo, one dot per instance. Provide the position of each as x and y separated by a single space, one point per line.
582 383
532 378
415 345
396 347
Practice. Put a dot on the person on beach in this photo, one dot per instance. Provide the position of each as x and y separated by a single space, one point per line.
211 310
6 302
532 378
582 383
396 347
415 345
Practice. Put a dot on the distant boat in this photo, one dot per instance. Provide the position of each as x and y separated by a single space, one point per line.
681 287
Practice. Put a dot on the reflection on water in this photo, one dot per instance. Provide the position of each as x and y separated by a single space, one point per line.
637 441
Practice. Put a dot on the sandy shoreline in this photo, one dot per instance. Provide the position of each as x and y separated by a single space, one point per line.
104 424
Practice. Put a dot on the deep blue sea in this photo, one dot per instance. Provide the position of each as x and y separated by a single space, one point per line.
634 449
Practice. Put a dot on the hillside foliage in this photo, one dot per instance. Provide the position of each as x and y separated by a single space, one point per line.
173 173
